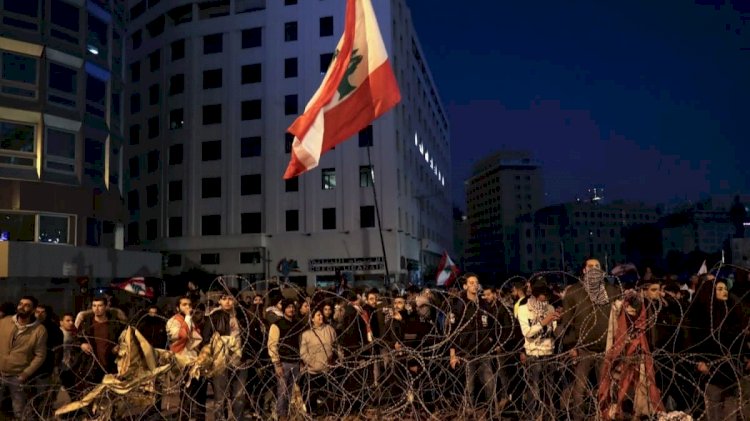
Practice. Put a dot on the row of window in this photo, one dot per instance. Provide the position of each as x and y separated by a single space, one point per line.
40 228
250 223
214 43
211 113
246 258
250 184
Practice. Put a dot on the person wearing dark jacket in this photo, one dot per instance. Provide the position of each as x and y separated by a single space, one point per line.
98 340
43 376
475 340
586 309
715 322
284 349
352 336
153 327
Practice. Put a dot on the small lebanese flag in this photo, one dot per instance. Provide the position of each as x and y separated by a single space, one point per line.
447 271
137 286
358 88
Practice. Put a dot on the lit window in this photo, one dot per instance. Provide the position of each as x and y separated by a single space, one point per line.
329 178
17 144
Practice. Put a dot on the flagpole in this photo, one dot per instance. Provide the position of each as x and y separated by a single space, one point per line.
377 215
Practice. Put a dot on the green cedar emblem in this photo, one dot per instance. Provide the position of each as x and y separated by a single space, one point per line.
345 87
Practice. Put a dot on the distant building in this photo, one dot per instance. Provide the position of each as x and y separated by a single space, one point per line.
695 229
61 129
561 237
212 87
502 187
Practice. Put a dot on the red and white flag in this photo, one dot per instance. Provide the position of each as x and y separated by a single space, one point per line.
358 88
447 271
137 286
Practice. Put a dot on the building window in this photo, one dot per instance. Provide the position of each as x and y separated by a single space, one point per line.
153 94
174 260
175 154
211 225
175 190
251 223
290 104
251 73
211 114
176 119
53 229
175 226
210 259
329 218
152 195
96 95
177 49
135 134
151 230
213 44
63 85
153 127
135 71
251 110
211 150
134 202
250 257
292 220
97 39
291 184
210 187
250 184
176 84
133 233
288 141
212 79
365 137
154 61
367 216
134 165
325 61
252 37
135 103
93 159
60 151
290 31
66 21
290 67
290 2
329 178
365 176
326 26
136 39
250 146
17 226
152 161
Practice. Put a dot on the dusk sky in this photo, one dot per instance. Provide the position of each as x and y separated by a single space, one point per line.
650 99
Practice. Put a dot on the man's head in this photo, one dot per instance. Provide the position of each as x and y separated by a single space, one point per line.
372 297
40 313
399 303
519 289
258 300
66 322
472 283
26 306
184 306
287 306
226 302
489 295
153 311
99 306
650 288
591 264
540 289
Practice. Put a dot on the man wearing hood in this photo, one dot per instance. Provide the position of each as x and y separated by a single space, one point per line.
23 348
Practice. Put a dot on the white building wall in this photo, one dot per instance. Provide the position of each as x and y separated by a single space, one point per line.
406 184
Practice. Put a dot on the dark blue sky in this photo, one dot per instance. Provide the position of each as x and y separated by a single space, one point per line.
650 99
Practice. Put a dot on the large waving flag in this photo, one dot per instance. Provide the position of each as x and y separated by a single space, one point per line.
358 88
137 286
447 271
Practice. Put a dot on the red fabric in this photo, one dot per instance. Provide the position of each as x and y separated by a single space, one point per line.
183 338
628 357
102 342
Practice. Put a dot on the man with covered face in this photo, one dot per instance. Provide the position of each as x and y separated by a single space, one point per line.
586 309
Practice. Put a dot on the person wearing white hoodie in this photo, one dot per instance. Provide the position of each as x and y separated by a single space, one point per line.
538 321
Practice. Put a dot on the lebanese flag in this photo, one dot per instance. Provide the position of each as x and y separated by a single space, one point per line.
137 286
358 88
447 271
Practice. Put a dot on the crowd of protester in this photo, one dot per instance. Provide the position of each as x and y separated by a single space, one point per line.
528 349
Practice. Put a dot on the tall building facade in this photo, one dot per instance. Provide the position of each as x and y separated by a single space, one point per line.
61 122
503 186
212 87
